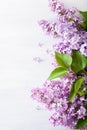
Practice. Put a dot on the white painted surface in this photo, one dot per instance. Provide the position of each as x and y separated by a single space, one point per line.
80 4
19 38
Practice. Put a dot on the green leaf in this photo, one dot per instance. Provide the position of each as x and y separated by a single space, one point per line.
84 25
63 60
81 123
58 72
81 93
75 88
79 61
84 14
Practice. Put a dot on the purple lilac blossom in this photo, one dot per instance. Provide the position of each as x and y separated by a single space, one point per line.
40 44
38 59
71 38
57 101
67 28
67 14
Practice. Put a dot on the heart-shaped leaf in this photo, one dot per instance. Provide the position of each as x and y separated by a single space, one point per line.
79 61
58 72
63 60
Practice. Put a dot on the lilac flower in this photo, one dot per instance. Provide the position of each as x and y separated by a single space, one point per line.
58 8
49 28
40 44
67 28
71 38
38 59
78 42
81 112
65 113
55 94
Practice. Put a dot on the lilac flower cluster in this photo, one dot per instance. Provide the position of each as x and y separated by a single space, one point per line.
67 27
63 13
77 42
55 96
